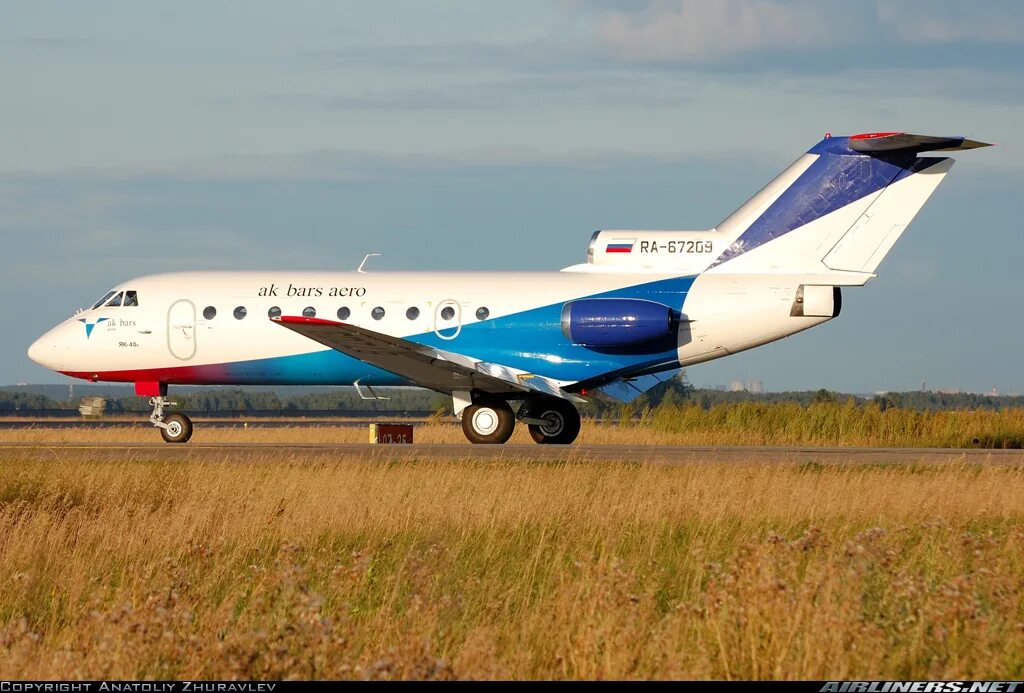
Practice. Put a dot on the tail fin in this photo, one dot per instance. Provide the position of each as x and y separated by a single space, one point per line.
839 207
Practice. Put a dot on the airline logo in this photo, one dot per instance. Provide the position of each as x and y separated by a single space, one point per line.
621 246
90 325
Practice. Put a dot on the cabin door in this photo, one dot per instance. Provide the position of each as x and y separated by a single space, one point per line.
181 329
448 319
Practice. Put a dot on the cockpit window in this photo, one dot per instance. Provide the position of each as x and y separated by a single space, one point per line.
103 300
113 299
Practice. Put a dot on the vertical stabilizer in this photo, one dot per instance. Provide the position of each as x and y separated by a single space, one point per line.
840 207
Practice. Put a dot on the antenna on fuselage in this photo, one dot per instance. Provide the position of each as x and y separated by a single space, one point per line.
363 263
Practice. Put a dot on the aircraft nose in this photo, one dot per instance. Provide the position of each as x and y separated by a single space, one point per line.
45 351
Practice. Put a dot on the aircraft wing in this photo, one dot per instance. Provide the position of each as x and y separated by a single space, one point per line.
436 369
627 385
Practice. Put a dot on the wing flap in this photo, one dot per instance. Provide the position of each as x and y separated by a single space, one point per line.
628 389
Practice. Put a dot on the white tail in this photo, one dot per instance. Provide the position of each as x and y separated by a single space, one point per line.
872 236
839 208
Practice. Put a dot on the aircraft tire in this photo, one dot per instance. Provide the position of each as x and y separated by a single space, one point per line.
179 429
490 422
563 422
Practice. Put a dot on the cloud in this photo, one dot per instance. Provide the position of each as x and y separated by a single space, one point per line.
461 56
698 31
338 166
30 208
48 43
532 90
932 22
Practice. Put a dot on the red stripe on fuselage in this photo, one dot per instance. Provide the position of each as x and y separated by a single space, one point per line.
177 375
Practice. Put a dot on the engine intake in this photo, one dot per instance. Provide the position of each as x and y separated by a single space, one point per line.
615 322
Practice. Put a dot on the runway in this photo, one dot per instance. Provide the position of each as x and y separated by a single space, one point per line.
143 423
649 454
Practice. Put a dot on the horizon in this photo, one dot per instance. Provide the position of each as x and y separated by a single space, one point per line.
298 389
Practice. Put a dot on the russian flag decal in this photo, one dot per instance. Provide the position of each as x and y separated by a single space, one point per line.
620 246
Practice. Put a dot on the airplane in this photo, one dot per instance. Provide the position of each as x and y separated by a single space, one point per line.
524 347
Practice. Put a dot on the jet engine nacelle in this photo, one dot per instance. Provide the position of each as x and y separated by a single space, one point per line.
616 322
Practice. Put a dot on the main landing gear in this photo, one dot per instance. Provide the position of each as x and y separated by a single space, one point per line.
175 428
553 421
488 419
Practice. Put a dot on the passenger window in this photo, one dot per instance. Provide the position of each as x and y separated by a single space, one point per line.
103 300
240 312
274 312
482 313
309 312
115 301
209 312
377 313
131 299
412 313
447 313
344 313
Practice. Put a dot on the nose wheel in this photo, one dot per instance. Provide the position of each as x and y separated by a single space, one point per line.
177 428
174 428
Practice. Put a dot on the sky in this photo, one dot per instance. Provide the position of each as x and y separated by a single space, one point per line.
147 137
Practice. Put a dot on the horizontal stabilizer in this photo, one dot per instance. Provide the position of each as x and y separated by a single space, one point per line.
872 142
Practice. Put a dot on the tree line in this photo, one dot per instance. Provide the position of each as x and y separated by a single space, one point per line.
677 390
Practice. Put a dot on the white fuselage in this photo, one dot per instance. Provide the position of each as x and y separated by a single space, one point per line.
511 318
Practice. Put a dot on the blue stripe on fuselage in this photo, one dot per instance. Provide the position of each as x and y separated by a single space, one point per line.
530 340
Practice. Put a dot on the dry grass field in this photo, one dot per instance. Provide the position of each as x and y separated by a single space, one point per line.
272 564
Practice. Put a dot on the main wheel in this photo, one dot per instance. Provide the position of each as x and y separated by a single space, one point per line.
490 421
561 422
178 430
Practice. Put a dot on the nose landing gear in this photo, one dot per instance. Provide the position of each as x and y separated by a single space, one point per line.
174 428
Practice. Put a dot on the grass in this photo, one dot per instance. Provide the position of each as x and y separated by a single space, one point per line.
270 565
836 424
